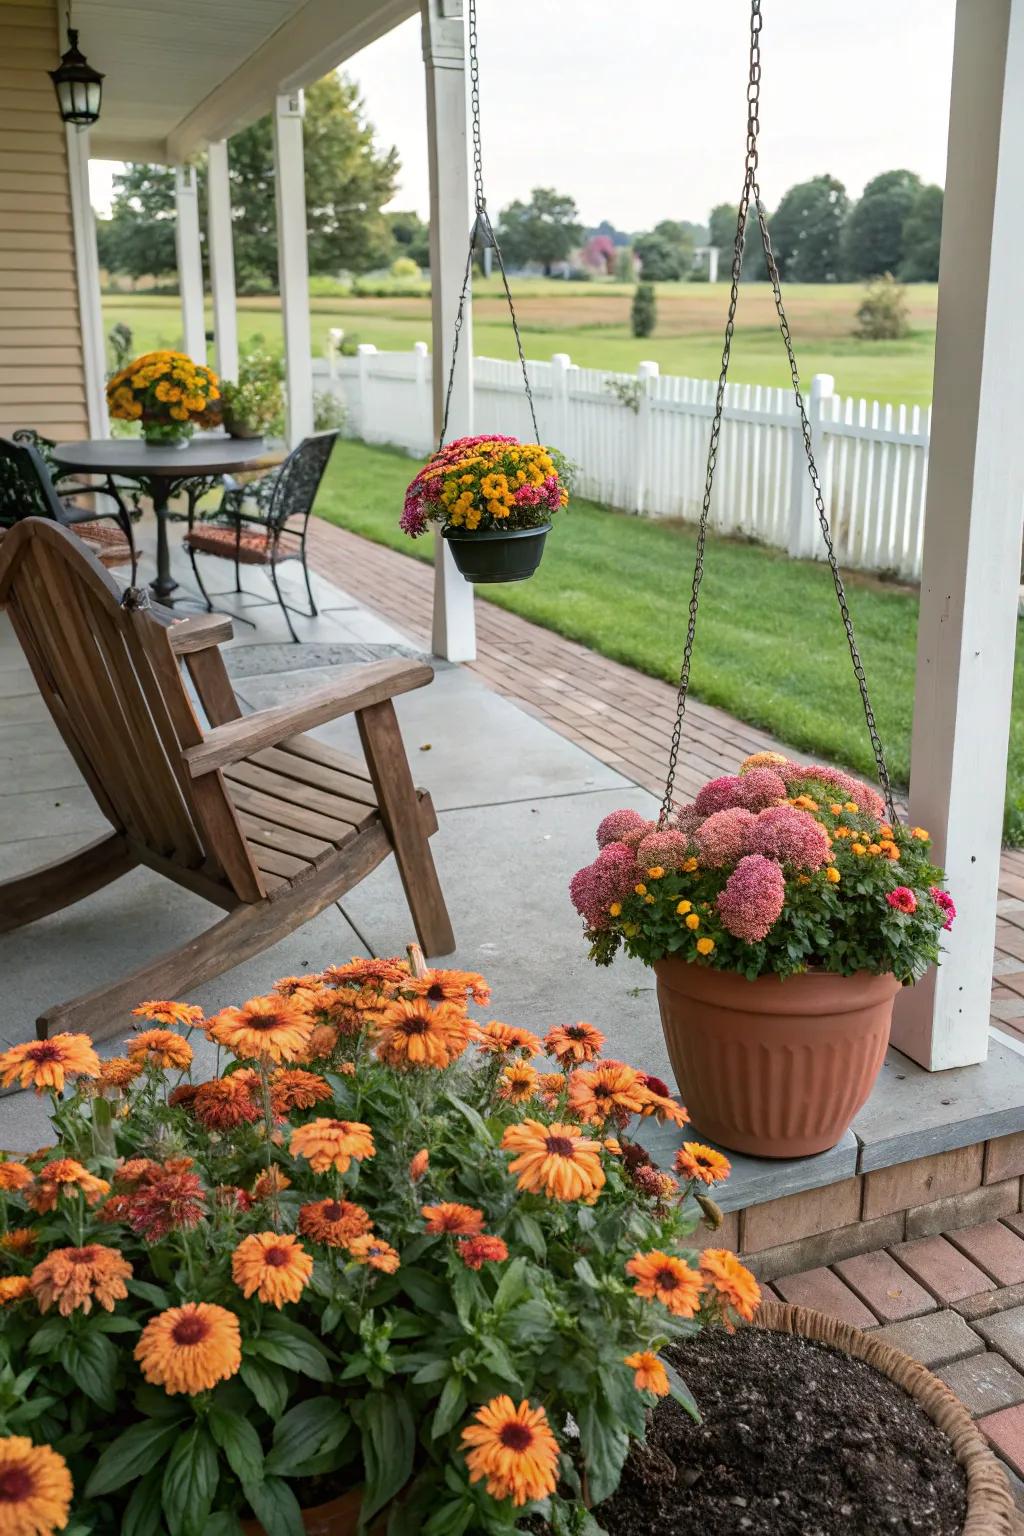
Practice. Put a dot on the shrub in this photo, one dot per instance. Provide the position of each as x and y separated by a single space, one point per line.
644 313
883 314
404 266
255 401
329 411
344 1261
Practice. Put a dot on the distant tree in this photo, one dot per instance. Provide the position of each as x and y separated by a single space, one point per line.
883 314
722 226
644 313
661 259
807 231
138 238
545 230
922 229
873 233
625 265
411 237
599 254
618 237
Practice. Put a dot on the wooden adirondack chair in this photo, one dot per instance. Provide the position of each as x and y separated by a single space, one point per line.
266 822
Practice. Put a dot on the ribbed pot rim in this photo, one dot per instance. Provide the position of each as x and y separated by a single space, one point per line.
492 535
810 992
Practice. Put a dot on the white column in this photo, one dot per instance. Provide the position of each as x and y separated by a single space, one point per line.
222 259
712 263
444 58
190 262
293 262
971 568
87 273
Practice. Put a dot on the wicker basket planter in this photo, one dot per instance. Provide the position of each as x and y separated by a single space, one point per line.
990 1509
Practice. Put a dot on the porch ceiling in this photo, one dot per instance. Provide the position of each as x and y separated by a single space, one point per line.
181 75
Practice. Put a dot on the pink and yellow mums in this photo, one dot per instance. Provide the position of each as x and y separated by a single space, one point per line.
780 867
486 482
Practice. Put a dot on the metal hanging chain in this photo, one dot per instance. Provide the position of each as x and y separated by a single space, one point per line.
751 191
482 234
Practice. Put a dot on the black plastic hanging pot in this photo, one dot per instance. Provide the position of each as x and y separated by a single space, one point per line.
497 554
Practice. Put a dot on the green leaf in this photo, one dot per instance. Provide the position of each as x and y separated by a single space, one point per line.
49 1336
224 1523
109 1323
240 1443
310 1429
585 1272
514 1285
147 1292
92 1361
143 1516
389 1443
532 1234
450 1408
190 1483
605 1446
297 1354
268 1385
424 1290
131 1455
680 1391
452 1519
276 1507
473 1116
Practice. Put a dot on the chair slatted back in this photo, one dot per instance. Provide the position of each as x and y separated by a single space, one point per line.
113 686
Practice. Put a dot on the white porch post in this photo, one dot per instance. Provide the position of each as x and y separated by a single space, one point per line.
190 262
973 528
293 262
87 274
444 58
222 259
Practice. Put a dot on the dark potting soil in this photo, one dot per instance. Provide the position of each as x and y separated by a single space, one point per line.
796 1439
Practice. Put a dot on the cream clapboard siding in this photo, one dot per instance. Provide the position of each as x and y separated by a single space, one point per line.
41 378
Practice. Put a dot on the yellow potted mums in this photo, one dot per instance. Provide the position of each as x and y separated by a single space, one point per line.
380 1269
168 394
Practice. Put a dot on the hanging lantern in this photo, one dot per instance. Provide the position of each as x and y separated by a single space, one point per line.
79 87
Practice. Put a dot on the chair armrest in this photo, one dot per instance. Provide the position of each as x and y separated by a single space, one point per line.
197 633
238 739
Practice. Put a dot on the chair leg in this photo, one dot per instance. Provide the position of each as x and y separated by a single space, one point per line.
313 610
199 580
281 601
402 816
55 886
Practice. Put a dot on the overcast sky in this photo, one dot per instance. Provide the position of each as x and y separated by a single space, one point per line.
637 109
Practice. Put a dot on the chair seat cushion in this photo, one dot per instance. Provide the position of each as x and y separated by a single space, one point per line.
106 541
253 548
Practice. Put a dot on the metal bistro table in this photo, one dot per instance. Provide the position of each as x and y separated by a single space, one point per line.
162 472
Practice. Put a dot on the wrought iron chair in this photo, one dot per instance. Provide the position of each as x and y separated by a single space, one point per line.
274 532
69 489
27 490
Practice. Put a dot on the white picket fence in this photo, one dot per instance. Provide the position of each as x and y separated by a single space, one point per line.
640 443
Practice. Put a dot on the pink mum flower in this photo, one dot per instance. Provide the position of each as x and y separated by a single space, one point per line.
790 835
669 849
844 784
725 836
944 901
686 818
617 823
611 877
753 898
761 787
719 794
902 898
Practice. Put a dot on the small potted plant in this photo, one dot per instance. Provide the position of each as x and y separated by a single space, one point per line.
493 499
254 403
168 394
781 912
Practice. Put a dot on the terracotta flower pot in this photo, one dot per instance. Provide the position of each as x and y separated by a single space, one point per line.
770 1067
340 1517
990 1510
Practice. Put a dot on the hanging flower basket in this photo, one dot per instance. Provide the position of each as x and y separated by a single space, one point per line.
781 912
493 499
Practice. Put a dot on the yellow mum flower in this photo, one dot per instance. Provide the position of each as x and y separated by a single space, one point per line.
705 946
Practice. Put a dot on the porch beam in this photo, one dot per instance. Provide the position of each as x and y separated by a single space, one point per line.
293 262
444 58
190 262
973 528
222 259
87 275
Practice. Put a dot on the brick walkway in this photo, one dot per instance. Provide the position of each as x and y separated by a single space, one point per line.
614 712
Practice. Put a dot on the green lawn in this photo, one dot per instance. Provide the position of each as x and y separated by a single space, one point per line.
590 321
770 645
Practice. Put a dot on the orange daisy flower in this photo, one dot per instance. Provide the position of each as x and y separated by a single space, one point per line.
731 1282
332 1144
76 1277
518 1082
19 1240
291 1088
190 1348
333 1222
270 1182
273 1265
225 1102
46 1065
14 1288
418 1164
13 1177
513 1449
35 1488
414 1034
608 1089
273 1027
503 1039
304 989
447 986
173 1015
554 1160
649 1373
363 970
660 1103
574 1043
483 1249
348 1009
660 1277
450 1216
119 1071
374 1252
322 1044
695 1161
64 1176
161 1048
552 1086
